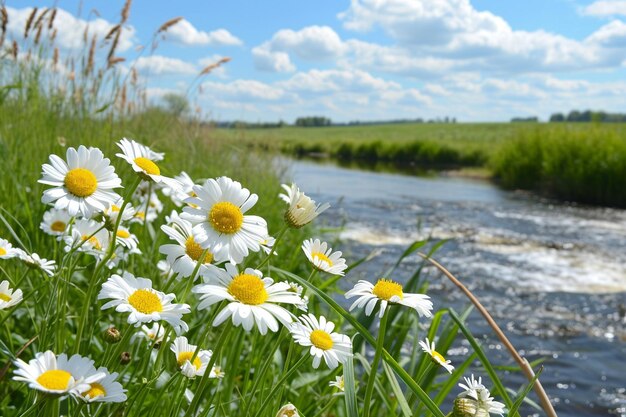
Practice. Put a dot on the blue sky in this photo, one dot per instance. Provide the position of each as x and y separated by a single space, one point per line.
478 60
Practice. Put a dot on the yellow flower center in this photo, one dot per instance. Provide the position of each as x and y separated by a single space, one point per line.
321 339
321 257
58 226
248 289
145 301
3 251
140 215
148 166
94 242
95 390
124 234
5 297
186 356
81 182
385 289
437 356
55 379
194 250
225 217
115 208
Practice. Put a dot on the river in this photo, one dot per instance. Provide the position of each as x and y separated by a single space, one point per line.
553 275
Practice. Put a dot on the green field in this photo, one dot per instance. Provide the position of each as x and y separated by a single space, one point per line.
571 161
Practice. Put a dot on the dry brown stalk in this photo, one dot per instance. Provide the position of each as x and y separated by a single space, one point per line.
522 362
214 65
126 11
29 22
165 26
38 35
4 16
39 20
116 39
112 32
55 57
92 53
53 34
52 17
116 60
14 50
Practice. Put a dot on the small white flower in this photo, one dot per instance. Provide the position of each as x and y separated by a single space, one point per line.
478 399
145 304
295 287
106 390
127 239
219 221
57 375
251 298
8 251
149 206
142 159
112 212
83 185
154 334
166 269
184 352
335 348
429 347
8 296
387 291
323 258
288 410
338 383
92 237
302 209
178 195
267 244
35 261
55 222
184 256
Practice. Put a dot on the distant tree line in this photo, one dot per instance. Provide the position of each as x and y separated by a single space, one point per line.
313 121
239 124
533 119
588 116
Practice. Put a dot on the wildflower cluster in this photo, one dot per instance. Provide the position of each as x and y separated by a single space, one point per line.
215 271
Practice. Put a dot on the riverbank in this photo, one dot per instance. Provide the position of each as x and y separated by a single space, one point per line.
570 161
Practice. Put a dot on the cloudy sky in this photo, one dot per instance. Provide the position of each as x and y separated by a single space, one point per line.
476 60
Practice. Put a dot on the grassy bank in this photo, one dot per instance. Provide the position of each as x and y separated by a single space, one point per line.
574 161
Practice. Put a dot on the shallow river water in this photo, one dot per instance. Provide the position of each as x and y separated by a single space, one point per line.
553 275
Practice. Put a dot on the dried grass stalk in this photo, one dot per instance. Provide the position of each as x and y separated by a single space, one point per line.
115 60
126 11
52 17
214 65
29 22
165 26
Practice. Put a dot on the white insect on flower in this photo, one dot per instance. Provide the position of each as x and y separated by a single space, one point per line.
386 291
219 221
143 303
429 348
83 185
302 209
335 348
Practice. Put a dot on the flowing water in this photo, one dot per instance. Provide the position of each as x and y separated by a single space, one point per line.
553 275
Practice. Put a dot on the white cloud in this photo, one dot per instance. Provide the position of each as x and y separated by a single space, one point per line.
243 90
613 34
70 29
323 81
271 61
162 65
605 8
185 33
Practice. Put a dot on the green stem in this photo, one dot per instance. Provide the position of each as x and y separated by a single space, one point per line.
369 390
280 383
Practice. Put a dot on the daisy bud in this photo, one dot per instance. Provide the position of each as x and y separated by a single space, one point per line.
302 209
464 407
112 335
288 410
125 358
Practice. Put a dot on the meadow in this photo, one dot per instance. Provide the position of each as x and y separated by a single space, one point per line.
578 162
198 328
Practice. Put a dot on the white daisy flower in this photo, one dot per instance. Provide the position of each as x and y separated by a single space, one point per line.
112 212
35 261
149 206
165 268
8 251
288 410
145 304
217 372
142 159
335 348
387 291
338 383
185 254
323 258
178 195
184 351
91 234
295 287
106 390
8 296
302 209
154 334
267 244
57 375
252 298
476 400
83 185
429 347
55 222
127 239
219 222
